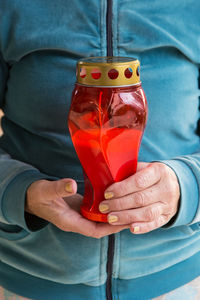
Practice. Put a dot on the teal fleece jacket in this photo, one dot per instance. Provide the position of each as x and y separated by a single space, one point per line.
40 43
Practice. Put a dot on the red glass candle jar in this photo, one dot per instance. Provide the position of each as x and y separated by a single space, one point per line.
106 121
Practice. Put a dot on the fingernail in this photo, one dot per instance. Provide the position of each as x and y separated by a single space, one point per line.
112 219
68 187
103 207
108 195
136 229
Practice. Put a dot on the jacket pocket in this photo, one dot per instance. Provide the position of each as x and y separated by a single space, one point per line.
12 232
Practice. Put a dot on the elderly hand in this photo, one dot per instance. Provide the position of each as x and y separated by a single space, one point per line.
58 203
144 201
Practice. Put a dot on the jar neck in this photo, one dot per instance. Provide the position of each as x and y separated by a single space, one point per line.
113 87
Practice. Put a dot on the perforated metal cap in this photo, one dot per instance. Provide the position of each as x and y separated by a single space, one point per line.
108 71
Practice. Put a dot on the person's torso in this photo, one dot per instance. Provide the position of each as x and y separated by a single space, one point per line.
41 43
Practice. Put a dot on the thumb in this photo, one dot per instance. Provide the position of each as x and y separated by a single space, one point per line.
60 188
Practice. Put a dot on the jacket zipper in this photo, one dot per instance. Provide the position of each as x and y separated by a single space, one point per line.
109 268
111 238
109 28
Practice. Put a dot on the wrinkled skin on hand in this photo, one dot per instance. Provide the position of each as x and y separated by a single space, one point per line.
145 201
58 203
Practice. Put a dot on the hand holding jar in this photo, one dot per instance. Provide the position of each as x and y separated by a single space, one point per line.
57 202
144 201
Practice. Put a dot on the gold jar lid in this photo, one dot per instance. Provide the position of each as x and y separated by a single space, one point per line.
108 71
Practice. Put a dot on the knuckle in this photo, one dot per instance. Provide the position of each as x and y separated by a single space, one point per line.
121 188
139 199
159 222
128 218
151 214
141 180
119 204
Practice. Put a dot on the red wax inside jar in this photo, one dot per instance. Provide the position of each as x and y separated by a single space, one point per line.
106 126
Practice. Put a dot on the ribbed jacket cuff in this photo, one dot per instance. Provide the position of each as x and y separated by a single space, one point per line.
14 198
189 199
